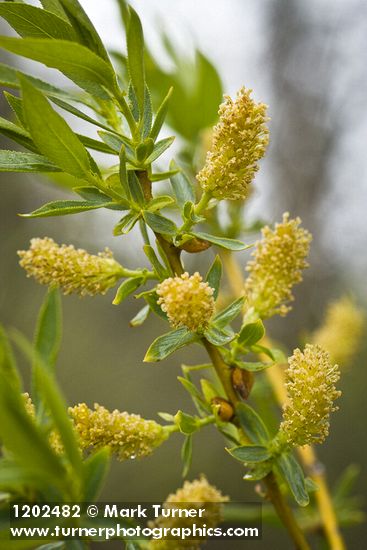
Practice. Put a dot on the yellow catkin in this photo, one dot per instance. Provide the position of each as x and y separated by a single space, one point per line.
126 435
72 270
342 330
53 438
187 300
239 141
310 383
277 264
193 495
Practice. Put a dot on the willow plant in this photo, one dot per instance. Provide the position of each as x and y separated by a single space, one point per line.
70 463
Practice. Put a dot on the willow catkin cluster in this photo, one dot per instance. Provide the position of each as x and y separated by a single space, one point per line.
310 382
126 435
239 141
193 495
277 264
187 300
341 331
72 270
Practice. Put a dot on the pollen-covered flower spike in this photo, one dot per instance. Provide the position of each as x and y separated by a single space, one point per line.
187 300
277 264
310 382
73 270
341 331
239 141
126 435
193 495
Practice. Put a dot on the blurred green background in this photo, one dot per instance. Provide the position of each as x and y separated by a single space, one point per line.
305 62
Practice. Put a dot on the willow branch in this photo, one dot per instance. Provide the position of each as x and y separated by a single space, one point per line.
223 371
307 454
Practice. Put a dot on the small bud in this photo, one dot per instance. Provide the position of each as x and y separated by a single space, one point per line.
342 330
126 435
73 270
310 382
278 261
222 408
239 141
242 381
187 300
197 494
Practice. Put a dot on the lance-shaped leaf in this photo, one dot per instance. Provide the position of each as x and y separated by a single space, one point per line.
252 424
159 223
186 455
250 453
34 22
75 61
7 361
160 116
126 224
47 338
218 336
182 186
53 137
168 343
17 161
126 288
62 208
229 313
251 333
95 472
83 27
214 275
159 148
292 472
230 244
17 134
135 57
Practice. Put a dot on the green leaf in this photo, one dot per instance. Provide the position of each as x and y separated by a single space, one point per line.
292 472
152 298
160 202
52 135
253 366
62 208
126 288
34 22
168 343
147 117
159 223
17 107
195 394
186 455
157 266
161 176
229 313
182 186
47 338
251 333
95 472
135 56
159 148
80 114
23 439
160 116
250 453
8 366
75 61
90 193
135 188
84 28
214 275
126 224
186 423
252 424
140 317
230 244
17 134
54 402
218 336
16 161
54 6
